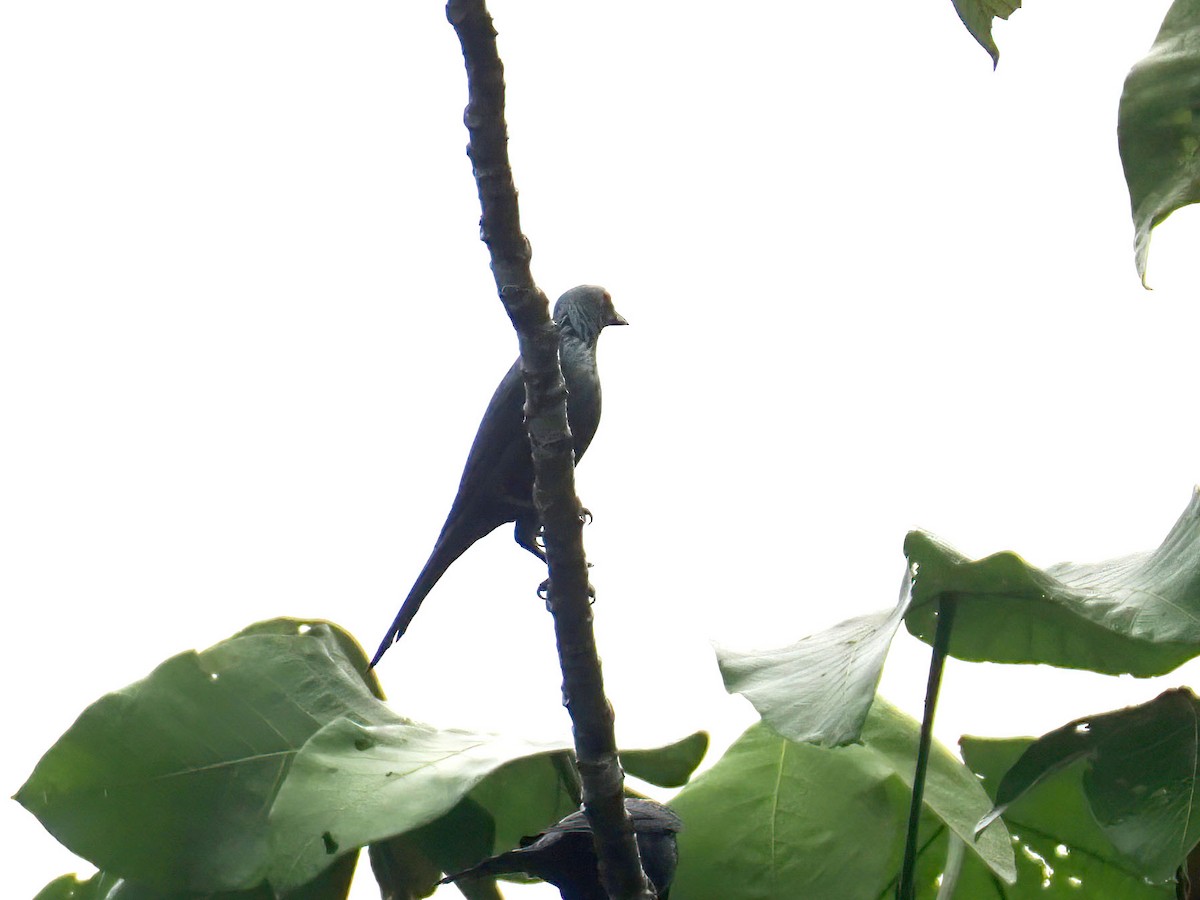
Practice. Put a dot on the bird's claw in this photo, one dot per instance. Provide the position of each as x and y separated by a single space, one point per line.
585 515
543 592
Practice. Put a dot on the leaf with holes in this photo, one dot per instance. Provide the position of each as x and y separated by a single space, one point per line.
169 781
355 784
269 757
1139 777
1061 852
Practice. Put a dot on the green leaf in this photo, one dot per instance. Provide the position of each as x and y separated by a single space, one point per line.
269 758
354 785
100 886
169 781
820 688
779 819
332 884
521 799
977 15
1139 614
1158 126
402 868
1061 851
456 841
669 766
1140 777
105 886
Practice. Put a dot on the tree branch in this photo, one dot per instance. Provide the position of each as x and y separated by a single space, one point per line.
558 506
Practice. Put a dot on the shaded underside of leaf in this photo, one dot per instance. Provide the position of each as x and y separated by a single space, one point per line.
454 842
1048 755
1143 778
402 868
1061 852
669 766
820 688
1158 126
978 15
780 819
1138 615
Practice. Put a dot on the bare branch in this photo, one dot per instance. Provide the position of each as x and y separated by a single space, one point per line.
553 460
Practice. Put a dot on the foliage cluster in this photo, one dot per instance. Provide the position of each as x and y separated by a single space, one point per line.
261 766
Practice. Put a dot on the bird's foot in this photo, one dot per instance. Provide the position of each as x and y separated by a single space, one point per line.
585 515
543 591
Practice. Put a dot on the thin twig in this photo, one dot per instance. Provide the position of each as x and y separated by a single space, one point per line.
558 506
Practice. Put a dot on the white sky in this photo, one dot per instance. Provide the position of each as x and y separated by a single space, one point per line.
248 331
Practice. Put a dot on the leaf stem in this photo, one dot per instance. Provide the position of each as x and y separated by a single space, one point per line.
937 663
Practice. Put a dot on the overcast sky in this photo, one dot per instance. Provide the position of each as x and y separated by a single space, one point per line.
248 331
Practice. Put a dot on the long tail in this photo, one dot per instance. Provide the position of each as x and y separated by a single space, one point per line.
504 864
449 547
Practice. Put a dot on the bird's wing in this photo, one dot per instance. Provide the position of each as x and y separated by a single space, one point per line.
651 816
647 816
498 471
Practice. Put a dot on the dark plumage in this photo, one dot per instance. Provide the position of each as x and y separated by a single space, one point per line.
497 481
564 856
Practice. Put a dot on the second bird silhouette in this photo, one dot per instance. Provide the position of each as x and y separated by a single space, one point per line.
497 481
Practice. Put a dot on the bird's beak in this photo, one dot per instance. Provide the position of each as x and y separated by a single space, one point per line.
617 319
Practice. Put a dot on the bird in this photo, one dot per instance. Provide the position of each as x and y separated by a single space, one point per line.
564 855
497 480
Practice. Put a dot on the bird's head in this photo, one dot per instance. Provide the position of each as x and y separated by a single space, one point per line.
585 310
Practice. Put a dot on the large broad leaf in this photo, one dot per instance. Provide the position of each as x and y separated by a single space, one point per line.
1061 854
269 757
354 785
820 688
1140 777
522 797
169 782
978 15
1139 614
1158 126
780 819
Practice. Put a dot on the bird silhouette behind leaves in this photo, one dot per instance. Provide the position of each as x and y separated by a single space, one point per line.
497 480
564 856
